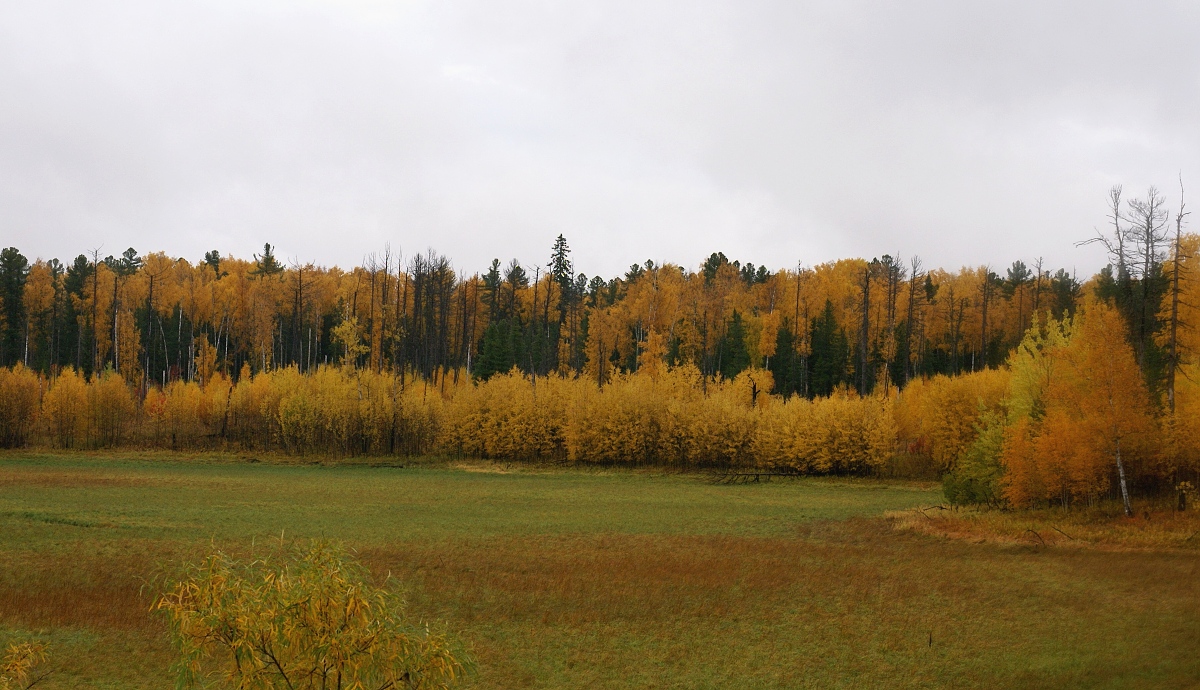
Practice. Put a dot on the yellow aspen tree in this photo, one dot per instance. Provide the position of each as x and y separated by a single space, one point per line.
65 409
39 299
111 408
20 403
1022 483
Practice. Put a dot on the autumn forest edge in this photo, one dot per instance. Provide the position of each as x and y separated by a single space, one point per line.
1021 386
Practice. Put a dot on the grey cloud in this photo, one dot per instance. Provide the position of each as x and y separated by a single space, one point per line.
774 131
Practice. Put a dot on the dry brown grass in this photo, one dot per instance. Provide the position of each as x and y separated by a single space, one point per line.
109 589
39 478
1153 527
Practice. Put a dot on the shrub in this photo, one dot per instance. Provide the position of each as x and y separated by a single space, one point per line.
508 417
940 415
309 619
20 659
842 434
976 477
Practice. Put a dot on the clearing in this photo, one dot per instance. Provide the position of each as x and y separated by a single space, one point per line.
560 578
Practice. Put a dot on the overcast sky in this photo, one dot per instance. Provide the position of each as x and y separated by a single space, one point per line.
776 132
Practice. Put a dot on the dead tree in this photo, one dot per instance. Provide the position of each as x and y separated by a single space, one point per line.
1177 268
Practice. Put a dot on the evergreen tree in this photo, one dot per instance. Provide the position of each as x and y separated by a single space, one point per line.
491 285
14 268
76 334
711 265
1065 291
785 365
265 265
517 280
499 351
125 265
213 260
900 357
734 357
596 292
563 272
830 353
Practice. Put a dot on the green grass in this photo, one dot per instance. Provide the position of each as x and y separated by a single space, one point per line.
562 578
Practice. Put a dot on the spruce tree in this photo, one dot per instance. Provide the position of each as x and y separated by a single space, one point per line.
734 356
830 353
785 364
14 269
267 264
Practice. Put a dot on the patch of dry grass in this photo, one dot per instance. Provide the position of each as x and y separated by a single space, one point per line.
40 477
1153 526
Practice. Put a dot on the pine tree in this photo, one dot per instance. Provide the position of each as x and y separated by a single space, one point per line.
830 353
562 270
14 269
497 351
785 365
213 260
734 356
265 265
491 285
75 311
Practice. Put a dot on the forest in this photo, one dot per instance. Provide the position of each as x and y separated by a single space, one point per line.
1024 385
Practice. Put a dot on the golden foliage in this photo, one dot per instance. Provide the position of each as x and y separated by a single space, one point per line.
20 400
177 412
111 407
634 420
939 415
65 409
671 417
509 416
18 663
1081 406
1181 431
842 433
336 410
305 620
660 416
1034 365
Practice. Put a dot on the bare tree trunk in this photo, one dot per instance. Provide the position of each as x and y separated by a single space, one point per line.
149 336
95 301
864 331
1121 476
983 329
912 302
116 351
537 274
1173 335
1037 286
895 273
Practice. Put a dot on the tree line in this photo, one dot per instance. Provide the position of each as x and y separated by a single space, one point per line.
1020 388
858 323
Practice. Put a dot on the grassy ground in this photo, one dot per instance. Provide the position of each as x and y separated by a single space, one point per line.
613 580
1155 525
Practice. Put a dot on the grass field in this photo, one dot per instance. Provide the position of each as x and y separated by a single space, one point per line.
573 579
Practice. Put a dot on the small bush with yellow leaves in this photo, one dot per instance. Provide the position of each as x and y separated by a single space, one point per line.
20 660
304 619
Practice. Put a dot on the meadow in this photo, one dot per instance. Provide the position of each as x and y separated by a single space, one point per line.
558 577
